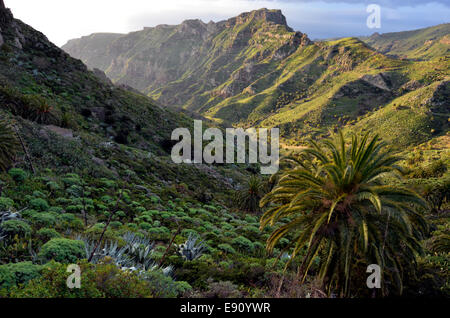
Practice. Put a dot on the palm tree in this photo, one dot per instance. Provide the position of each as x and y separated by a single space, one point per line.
249 197
8 145
338 210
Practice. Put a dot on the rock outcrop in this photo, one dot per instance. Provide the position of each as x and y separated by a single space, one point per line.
170 63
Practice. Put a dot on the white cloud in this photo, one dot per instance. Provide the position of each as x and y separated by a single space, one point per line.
62 20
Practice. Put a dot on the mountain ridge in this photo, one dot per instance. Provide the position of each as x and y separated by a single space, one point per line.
260 73
73 120
424 43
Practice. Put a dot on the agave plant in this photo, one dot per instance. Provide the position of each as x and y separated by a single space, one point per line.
191 250
339 208
136 254
6 216
110 249
9 145
140 250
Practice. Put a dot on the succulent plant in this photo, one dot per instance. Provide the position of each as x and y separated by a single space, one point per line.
135 255
7 216
191 250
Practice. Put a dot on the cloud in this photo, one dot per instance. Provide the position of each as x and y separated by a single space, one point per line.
385 3
68 19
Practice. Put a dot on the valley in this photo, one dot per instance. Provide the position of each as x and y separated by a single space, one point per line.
87 177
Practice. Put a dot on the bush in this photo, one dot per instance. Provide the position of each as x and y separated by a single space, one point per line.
243 244
18 273
43 219
6 204
39 204
227 248
145 226
99 281
163 286
67 218
222 290
56 209
16 227
62 250
18 175
47 234
71 179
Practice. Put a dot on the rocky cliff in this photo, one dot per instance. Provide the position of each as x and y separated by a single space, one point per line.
254 70
193 56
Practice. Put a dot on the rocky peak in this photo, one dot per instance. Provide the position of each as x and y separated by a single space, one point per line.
193 27
6 16
266 15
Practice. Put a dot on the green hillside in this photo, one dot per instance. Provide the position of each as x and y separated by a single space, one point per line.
95 45
253 70
86 175
74 121
420 44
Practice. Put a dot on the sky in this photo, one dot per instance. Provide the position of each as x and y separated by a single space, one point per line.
62 20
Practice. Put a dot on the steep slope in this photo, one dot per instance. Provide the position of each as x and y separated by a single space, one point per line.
74 121
418 44
93 49
253 70
175 63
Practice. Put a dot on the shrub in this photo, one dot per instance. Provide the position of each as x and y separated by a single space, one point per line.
222 290
71 180
16 227
132 226
227 248
99 281
47 234
18 175
243 244
28 213
53 186
163 286
6 204
74 208
116 224
189 232
39 194
14 274
145 226
159 232
62 250
251 231
43 219
74 191
39 204
9 144
56 209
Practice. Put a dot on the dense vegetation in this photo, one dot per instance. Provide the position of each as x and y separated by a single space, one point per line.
253 70
86 178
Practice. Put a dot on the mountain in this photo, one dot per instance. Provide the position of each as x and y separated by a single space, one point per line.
194 57
93 49
418 44
254 70
92 183
73 119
